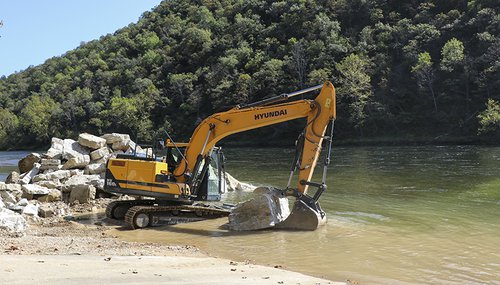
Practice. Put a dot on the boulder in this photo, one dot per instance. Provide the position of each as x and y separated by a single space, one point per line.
72 149
26 163
51 184
267 209
56 148
121 145
99 153
56 175
77 162
10 193
50 164
95 168
81 180
2 205
91 141
13 178
114 137
30 210
82 194
26 178
12 222
45 211
33 189
54 195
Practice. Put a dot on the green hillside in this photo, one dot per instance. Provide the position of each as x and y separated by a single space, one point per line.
404 69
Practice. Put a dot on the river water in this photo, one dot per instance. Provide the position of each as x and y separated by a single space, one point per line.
396 215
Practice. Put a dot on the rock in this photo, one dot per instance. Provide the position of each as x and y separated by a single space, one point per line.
121 145
95 168
54 195
26 179
46 211
55 176
91 141
10 193
80 180
12 222
13 178
51 184
23 202
56 149
34 189
266 210
114 137
2 205
82 194
77 162
30 210
72 149
26 163
52 164
99 153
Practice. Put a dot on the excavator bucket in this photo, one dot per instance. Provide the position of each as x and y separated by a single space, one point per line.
269 208
303 217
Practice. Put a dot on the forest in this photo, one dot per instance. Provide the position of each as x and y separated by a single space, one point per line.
405 71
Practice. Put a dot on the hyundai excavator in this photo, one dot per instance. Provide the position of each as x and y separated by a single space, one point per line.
172 187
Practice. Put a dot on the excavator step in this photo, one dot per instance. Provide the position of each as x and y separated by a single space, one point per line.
145 216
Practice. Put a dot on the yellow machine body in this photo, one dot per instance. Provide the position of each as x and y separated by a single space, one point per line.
143 177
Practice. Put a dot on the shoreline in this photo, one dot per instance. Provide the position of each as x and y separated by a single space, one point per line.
62 252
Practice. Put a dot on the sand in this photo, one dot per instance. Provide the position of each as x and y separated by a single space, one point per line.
63 252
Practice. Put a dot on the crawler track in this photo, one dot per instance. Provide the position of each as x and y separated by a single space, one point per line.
151 215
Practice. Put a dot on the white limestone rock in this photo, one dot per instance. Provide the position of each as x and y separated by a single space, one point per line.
57 175
9 194
12 222
121 145
91 141
33 189
267 209
95 168
51 184
82 194
81 180
52 164
56 149
26 179
99 153
54 195
72 149
115 137
77 162
13 178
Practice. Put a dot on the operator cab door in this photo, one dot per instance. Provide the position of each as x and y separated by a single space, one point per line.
214 182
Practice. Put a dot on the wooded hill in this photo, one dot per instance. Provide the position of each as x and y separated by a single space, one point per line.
403 69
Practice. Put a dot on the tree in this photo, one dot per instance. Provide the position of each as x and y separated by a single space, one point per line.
452 55
355 88
425 74
38 117
489 119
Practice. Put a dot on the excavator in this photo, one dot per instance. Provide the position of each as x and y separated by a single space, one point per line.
175 187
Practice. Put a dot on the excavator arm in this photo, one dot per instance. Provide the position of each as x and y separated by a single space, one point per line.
319 112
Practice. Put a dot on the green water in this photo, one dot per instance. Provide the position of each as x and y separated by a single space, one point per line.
396 215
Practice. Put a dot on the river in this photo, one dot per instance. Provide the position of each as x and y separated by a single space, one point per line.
396 215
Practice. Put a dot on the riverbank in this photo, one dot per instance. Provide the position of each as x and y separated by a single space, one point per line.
68 252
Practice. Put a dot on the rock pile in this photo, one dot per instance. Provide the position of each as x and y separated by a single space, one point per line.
70 171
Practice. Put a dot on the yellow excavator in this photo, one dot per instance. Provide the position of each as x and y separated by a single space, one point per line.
170 187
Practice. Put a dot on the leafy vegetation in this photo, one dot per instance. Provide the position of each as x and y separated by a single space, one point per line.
417 69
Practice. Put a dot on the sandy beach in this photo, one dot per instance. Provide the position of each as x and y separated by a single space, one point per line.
67 252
